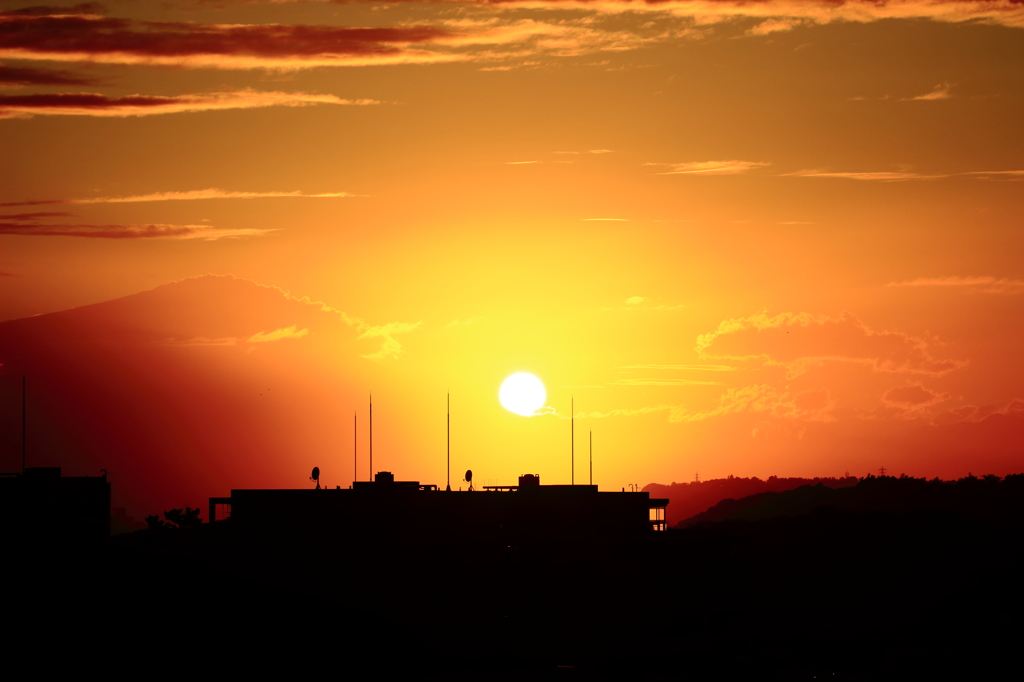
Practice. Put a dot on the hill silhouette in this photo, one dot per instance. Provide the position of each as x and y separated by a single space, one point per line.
989 496
688 499
179 392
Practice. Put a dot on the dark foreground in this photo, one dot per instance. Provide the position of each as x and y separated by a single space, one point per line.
917 593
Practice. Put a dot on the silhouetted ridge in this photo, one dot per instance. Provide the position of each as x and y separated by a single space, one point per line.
687 499
977 497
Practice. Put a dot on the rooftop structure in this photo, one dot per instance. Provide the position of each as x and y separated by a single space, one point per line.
510 514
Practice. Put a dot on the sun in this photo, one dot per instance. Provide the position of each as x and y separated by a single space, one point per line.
523 394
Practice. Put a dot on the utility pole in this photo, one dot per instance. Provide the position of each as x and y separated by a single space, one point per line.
572 437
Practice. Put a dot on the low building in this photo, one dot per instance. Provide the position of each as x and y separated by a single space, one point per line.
40 505
384 507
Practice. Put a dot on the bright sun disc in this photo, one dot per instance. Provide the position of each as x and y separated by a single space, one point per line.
523 394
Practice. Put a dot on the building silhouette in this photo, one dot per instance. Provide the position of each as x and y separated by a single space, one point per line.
502 515
40 505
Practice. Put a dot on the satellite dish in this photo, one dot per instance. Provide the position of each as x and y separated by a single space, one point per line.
469 475
316 475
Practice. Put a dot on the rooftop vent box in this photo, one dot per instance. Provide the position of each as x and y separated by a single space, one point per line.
529 479
384 477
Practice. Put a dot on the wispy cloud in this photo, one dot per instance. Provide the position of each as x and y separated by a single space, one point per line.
988 285
663 382
191 195
882 176
89 104
699 368
80 34
709 167
138 231
277 335
940 91
635 300
21 75
390 348
799 341
774 26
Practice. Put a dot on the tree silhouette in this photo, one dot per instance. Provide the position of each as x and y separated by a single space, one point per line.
175 518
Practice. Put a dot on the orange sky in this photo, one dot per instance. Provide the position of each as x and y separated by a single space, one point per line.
758 238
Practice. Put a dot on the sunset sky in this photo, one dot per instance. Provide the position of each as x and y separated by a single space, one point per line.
748 237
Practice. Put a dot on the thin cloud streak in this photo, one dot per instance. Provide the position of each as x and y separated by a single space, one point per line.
141 231
76 35
941 91
90 104
988 285
663 382
191 195
709 167
880 176
702 368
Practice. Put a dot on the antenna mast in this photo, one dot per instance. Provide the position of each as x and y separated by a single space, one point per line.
371 436
591 458
572 436
355 446
449 488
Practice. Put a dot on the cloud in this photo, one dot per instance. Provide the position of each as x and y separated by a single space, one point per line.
798 341
704 368
663 382
519 163
89 104
390 347
709 167
774 26
621 412
139 231
277 335
987 285
814 405
191 195
913 396
1013 174
635 300
12 75
83 35
976 413
941 91
898 176
709 12
883 176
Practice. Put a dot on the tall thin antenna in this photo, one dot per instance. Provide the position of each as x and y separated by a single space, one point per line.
355 446
572 435
371 436
591 458
24 411
449 488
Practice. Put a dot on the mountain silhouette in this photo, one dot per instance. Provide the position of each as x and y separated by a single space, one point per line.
179 392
